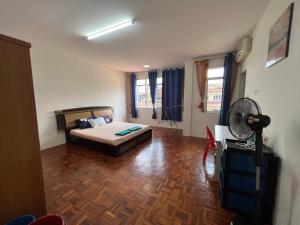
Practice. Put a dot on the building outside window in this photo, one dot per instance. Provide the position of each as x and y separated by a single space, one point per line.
214 89
143 93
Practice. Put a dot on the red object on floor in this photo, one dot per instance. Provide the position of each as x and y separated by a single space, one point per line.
210 144
50 220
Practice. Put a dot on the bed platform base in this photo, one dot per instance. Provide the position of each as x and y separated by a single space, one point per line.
106 148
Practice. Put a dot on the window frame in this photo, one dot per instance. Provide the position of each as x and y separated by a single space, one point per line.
206 90
147 91
161 84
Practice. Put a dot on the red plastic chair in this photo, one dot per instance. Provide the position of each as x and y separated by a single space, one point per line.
211 144
50 220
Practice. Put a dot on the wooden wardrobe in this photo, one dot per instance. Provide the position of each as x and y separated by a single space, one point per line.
21 177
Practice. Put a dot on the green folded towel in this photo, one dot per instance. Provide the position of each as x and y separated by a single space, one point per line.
135 128
123 132
128 131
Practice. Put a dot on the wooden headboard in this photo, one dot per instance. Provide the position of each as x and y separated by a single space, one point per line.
67 118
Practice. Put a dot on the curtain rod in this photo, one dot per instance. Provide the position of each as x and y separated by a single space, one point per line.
172 67
159 69
209 57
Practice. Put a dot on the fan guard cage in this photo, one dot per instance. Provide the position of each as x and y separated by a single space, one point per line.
237 115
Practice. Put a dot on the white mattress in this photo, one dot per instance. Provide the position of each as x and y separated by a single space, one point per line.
107 133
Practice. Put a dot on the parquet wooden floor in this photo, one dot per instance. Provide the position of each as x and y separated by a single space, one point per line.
160 182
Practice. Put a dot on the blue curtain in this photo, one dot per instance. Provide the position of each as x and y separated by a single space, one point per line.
229 59
152 75
172 94
133 96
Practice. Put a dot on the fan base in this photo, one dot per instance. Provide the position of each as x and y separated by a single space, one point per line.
242 220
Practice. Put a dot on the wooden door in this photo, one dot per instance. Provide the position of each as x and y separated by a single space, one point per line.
21 189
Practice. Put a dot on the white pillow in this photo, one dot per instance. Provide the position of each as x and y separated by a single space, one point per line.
98 122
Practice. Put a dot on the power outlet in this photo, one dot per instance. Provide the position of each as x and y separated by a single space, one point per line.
266 140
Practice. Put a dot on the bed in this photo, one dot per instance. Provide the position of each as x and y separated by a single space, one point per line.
101 138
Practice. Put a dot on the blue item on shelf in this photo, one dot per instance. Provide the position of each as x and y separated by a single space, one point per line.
22 220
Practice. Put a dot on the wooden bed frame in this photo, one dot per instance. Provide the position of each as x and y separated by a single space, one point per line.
65 123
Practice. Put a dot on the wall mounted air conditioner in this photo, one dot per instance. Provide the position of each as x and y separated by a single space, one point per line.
243 49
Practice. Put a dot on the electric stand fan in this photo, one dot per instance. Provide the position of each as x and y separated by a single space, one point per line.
245 120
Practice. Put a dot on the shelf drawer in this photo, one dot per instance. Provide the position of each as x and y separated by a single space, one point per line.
244 183
241 203
242 162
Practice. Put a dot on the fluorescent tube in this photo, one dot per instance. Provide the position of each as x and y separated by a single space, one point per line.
109 29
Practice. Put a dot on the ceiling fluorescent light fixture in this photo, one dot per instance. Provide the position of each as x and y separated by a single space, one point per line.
146 66
110 29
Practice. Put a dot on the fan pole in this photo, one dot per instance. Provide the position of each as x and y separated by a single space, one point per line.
244 113
258 162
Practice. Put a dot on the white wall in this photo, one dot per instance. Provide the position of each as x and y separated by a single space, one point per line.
145 114
63 82
64 75
277 91
188 98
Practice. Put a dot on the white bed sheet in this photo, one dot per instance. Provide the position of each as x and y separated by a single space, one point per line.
107 133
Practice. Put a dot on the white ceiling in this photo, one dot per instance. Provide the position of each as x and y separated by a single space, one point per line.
166 33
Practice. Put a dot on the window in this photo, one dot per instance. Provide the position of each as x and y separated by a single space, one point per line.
143 93
214 89
159 92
